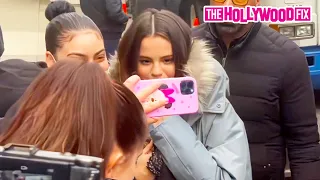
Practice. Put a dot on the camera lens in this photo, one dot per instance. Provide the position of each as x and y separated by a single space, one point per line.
183 84
190 84
187 87
189 91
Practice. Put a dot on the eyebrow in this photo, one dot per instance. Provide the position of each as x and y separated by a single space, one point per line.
168 56
77 54
144 57
163 57
97 53
80 54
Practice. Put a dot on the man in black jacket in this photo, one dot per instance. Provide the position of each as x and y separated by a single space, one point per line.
271 91
109 17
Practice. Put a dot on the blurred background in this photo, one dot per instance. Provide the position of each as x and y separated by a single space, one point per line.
23 24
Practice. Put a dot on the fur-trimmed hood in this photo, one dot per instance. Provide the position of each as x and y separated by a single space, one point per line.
212 80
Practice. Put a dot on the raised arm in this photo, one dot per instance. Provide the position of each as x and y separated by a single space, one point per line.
224 155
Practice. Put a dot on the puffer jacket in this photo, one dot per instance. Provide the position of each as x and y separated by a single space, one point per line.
271 91
211 144
15 77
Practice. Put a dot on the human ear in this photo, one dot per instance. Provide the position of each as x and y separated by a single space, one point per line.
115 161
50 60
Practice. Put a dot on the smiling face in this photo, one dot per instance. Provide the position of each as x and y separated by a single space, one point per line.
156 58
86 45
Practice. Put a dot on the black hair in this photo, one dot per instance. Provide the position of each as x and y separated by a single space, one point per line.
56 8
63 20
154 22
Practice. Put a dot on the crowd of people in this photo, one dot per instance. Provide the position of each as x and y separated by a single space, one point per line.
255 95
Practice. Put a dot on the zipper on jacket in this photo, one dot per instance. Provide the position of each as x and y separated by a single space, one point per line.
225 53
224 60
225 56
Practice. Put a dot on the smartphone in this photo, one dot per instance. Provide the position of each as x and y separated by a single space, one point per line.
181 92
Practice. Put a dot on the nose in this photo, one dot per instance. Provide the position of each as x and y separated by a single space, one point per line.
90 60
156 71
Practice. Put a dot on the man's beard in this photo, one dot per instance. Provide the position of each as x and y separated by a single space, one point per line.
228 28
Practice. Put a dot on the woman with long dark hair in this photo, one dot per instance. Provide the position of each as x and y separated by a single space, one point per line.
210 144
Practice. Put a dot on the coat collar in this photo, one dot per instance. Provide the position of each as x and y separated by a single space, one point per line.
212 80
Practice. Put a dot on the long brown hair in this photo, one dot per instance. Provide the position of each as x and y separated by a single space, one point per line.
69 108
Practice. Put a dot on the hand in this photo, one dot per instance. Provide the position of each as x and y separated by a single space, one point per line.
156 121
143 94
141 171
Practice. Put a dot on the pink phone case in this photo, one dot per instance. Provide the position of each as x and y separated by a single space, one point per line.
181 92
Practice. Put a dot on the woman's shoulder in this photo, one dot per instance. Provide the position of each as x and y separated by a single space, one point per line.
21 64
15 76
20 70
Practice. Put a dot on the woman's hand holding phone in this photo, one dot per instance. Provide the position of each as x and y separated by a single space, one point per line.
165 97
143 94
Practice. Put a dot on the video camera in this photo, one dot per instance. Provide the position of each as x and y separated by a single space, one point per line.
23 162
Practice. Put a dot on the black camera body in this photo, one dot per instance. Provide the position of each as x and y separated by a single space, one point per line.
23 162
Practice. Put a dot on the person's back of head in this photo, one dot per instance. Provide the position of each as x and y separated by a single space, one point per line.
131 134
69 108
132 121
